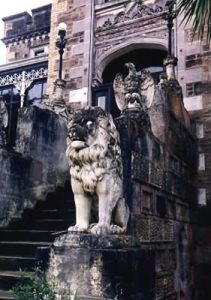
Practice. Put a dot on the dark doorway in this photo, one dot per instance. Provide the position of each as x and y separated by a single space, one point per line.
150 59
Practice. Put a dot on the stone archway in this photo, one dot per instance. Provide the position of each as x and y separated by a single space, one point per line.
123 49
144 53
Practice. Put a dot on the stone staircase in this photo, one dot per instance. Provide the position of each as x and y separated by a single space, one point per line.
37 227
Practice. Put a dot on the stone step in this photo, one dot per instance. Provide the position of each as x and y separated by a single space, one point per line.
44 224
26 235
16 263
5 295
65 214
9 279
69 204
14 248
36 228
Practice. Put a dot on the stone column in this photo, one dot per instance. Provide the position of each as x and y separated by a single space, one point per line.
109 267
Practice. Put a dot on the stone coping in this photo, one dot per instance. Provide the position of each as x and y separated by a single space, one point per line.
76 240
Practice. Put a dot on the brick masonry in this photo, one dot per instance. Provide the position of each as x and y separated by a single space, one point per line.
76 70
26 35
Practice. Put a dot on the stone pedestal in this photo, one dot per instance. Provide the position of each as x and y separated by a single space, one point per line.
111 267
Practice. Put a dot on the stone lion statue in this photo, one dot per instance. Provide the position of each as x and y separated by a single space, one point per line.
95 163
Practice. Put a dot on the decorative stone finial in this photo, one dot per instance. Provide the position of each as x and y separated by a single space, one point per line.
170 63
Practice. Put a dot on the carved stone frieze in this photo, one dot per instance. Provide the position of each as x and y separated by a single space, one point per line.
131 12
106 40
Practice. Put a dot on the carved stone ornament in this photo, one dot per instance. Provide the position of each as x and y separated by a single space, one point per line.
3 122
134 91
94 157
133 10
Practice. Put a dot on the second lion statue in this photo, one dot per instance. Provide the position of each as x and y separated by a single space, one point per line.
94 156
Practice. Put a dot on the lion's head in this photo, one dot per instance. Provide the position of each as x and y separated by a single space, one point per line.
93 146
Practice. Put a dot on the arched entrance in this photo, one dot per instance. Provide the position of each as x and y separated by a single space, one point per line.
143 57
151 59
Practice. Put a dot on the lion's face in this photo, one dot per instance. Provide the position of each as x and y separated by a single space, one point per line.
84 126
83 132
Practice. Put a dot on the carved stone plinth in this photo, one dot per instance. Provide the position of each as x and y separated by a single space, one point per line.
109 267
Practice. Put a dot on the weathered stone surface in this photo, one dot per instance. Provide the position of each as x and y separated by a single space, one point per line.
37 166
20 181
41 134
112 267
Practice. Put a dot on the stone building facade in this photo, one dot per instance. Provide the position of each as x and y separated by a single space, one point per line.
23 79
102 36
124 31
98 33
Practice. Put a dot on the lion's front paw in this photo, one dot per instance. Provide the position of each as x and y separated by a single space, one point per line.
115 229
100 229
77 228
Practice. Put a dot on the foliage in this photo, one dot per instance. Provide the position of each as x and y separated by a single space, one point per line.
36 288
39 288
200 12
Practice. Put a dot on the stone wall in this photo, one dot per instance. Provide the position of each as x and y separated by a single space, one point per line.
161 189
38 164
26 35
19 177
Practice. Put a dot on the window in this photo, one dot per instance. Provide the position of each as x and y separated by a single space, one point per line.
161 206
39 52
194 89
11 96
193 60
147 202
12 100
36 92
